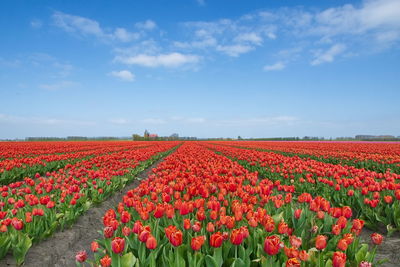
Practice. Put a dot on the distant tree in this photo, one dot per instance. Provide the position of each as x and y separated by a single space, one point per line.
136 137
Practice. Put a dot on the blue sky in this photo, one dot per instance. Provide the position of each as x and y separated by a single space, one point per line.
199 68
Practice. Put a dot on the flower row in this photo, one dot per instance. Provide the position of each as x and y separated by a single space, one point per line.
374 195
199 208
33 209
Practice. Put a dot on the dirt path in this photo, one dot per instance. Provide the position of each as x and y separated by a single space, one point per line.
60 249
389 249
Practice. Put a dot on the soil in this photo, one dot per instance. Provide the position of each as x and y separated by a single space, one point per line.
389 249
60 249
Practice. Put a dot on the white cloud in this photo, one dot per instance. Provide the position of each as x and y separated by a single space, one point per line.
251 37
87 27
201 2
36 23
373 25
9 63
373 17
77 24
58 85
146 25
161 60
234 50
5 118
328 55
230 37
123 35
65 69
124 75
204 43
260 121
277 66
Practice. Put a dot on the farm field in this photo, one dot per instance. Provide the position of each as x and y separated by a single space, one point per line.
204 203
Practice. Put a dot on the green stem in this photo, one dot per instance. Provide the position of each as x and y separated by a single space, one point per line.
319 258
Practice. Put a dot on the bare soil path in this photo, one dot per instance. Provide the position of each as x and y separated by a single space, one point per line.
389 249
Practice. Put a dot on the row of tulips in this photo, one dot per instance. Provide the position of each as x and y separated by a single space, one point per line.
370 156
10 150
375 196
199 208
381 152
15 169
33 209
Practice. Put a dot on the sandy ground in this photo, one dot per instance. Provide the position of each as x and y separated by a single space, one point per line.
389 249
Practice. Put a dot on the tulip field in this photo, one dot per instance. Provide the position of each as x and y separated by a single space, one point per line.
207 203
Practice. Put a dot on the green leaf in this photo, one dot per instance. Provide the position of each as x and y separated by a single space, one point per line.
4 245
238 263
210 261
328 263
360 255
218 256
278 217
22 248
128 260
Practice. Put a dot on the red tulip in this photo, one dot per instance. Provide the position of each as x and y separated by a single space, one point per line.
216 240
196 227
197 242
17 224
339 259
388 199
137 227
272 244
303 255
269 225
108 232
118 245
283 228
151 242
28 217
81 256
174 235
125 217
105 261
347 212
376 238
169 230
291 252
293 262
94 246
186 224
357 226
3 228
336 229
342 244
349 238
295 241
297 213
144 235
210 227
320 242
237 237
